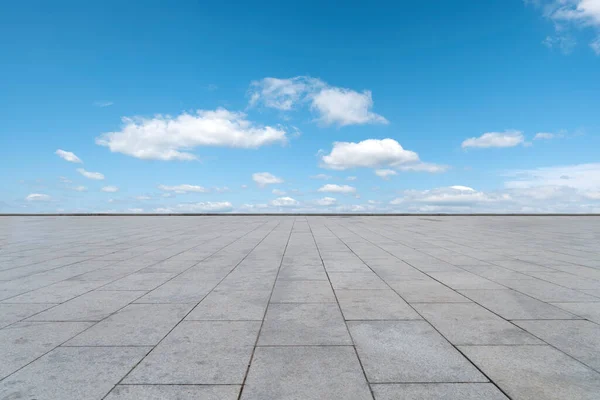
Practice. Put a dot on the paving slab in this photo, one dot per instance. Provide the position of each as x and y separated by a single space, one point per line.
321 372
409 351
374 305
231 305
426 291
436 391
590 311
174 392
297 291
11 313
535 372
72 373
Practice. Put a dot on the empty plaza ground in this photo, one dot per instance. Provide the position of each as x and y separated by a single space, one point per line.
300 307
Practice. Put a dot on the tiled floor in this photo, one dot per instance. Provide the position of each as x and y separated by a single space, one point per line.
284 307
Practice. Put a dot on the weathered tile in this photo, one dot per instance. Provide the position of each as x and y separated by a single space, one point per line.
72 373
589 311
356 280
306 372
302 292
510 304
374 305
436 391
11 313
174 392
304 324
199 352
469 323
23 342
140 281
546 291
535 372
232 305
409 351
92 306
580 339
134 325
464 280
427 291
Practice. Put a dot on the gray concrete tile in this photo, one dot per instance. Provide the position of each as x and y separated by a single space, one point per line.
304 324
374 305
590 311
356 280
23 342
174 392
302 273
511 305
437 391
232 305
302 292
56 293
427 291
140 281
179 292
464 280
580 339
469 323
409 351
535 372
546 291
76 373
92 306
11 313
199 352
322 372
134 325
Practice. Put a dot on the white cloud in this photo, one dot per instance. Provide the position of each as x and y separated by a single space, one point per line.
595 45
331 188
223 189
369 153
103 104
64 180
91 175
385 173
338 106
135 210
580 176
454 196
141 198
202 207
326 201
110 189
79 188
351 178
244 186
509 138
284 202
321 176
185 188
265 178
171 138
423 167
333 105
37 197
68 156
278 192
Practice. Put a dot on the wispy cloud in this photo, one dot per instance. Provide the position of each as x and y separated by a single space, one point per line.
103 104
68 156
91 175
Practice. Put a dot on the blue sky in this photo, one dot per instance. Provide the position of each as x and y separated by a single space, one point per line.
488 106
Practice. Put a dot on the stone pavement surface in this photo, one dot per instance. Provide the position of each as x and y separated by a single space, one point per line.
299 307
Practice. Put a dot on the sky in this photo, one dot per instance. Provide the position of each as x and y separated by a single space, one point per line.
268 106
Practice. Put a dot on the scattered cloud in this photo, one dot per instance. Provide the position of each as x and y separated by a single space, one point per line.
351 178
185 188
110 189
284 202
135 210
142 198
263 179
385 173
79 188
584 177
547 136
68 156
38 197
278 192
171 138
321 176
423 167
326 201
91 175
223 189
64 179
103 104
333 105
510 138
370 153
332 188
202 207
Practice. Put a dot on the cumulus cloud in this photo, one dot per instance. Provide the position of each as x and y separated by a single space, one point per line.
79 188
385 173
284 202
351 178
333 105
331 188
91 175
584 177
423 167
326 201
454 196
509 138
321 176
68 156
110 189
201 207
185 188
547 136
38 197
278 192
370 153
263 179
171 138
